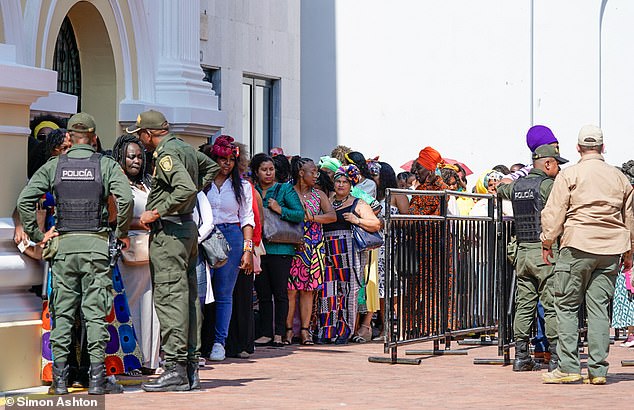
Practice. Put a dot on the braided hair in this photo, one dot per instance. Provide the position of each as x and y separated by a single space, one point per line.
357 158
297 163
119 152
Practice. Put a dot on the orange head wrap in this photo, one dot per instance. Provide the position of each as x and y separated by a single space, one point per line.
429 158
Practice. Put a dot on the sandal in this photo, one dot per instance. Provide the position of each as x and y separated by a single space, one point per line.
288 339
357 339
277 341
365 332
306 340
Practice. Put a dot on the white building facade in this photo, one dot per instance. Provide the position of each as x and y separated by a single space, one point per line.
211 66
466 77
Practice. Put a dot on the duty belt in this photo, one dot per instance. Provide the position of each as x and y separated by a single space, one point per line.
178 219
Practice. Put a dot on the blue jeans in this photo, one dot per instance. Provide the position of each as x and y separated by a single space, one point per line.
201 274
540 341
224 279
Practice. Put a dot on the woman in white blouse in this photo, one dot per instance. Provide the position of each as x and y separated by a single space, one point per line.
128 152
231 202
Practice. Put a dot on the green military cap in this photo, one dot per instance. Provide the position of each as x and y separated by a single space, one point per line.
548 151
149 120
81 122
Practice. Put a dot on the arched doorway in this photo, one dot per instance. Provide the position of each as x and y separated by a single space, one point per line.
66 62
88 68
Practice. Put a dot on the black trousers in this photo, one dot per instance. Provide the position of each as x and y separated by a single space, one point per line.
242 326
272 284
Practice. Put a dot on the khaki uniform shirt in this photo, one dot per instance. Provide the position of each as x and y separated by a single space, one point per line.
179 173
591 203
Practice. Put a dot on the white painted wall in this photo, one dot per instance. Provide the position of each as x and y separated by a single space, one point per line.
458 75
257 37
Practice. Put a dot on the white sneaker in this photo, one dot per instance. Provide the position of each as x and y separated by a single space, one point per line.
217 353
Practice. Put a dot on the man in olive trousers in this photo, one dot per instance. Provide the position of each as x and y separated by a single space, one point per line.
179 173
591 204
81 181
534 278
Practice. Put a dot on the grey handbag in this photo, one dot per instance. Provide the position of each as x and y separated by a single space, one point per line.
278 230
216 248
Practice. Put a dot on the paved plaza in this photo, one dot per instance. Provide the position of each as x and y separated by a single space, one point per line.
330 377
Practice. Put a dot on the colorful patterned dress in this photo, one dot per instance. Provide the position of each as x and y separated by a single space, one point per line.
428 242
308 266
623 305
343 280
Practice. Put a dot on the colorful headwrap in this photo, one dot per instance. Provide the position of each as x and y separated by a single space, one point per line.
483 181
330 163
374 167
224 147
349 171
429 158
276 151
44 124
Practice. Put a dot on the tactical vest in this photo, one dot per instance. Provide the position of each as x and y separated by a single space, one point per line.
79 194
527 208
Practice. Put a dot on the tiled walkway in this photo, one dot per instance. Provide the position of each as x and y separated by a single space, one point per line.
331 377
328 377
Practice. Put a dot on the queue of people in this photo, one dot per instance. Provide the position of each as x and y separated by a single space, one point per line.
288 229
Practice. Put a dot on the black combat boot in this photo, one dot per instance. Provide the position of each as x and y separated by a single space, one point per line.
554 359
173 379
523 360
99 383
192 375
60 376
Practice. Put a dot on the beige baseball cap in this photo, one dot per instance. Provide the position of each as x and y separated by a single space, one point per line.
590 136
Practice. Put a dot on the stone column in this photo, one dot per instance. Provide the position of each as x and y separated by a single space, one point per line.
179 77
20 310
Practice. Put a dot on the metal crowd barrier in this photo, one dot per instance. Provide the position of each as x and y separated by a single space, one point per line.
448 276
440 276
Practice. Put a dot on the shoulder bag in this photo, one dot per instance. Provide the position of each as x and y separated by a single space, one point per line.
364 240
138 253
277 230
215 247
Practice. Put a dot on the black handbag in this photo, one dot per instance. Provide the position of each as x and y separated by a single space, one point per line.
364 240
277 230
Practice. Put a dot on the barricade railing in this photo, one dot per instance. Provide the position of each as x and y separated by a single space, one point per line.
440 275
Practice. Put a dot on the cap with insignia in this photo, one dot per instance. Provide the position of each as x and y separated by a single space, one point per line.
149 120
81 122
548 151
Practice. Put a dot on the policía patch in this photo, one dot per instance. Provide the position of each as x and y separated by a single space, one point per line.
166 163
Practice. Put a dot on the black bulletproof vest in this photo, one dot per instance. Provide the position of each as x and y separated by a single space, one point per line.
527 208
78 193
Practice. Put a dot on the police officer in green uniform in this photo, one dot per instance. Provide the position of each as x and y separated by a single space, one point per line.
179 173
81 182
535 279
